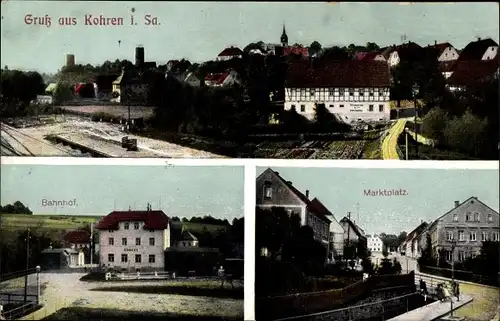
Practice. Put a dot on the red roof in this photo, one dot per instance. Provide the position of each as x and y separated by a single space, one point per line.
476 49
366 56
296 51
77 237
352 73
79 87
217 78
473 72
154 220
231 52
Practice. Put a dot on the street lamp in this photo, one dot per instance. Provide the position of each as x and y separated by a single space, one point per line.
38 268
415 91
453 243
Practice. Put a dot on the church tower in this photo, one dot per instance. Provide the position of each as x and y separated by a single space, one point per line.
284 37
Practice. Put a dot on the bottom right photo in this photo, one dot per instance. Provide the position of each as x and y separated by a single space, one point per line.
377 244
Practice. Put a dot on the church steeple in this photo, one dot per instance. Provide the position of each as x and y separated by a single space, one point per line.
284 37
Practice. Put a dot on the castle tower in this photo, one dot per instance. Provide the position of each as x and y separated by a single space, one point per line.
284 37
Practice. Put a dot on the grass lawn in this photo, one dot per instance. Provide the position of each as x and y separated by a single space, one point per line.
84 314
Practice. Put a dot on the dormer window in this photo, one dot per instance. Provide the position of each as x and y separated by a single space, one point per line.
268 190
126 226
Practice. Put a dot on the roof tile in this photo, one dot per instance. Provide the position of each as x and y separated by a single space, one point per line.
154 220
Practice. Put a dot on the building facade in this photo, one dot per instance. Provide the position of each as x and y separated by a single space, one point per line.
375 243
464 228
353 91
230 53
274 191
134 239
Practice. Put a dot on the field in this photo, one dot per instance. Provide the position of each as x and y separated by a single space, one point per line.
51 222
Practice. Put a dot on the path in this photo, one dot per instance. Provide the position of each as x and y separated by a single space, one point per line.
390 142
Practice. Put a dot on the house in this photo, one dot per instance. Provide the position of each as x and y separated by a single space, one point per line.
353 233
441 52
134 239
482 49
230 53
128 88
375 243
192 80
465 226
369 56
353 91
275 191
472 73
62 258
297 51
409 51
412 240
77 239
446 68
225 79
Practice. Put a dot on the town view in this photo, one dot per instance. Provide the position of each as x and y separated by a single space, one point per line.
170 251
286 92
330 251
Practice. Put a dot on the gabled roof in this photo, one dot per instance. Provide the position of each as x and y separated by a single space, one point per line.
317 207
60 251
154 220
217 78
476 49
353 226
459 205
413 234
187 236
434 51
77 237
405 50
367 56
473 72
230 52
351 73
303 51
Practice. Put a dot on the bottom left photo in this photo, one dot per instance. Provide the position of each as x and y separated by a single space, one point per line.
93 242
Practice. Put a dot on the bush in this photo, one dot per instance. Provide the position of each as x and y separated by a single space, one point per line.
277 278
434 124
466 133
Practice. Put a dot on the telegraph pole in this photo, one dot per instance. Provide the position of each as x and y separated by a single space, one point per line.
27 266
357 208
91 244
349 232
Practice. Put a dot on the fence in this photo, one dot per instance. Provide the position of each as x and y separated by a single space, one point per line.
461 275
303 303
381 309
17 274
21 311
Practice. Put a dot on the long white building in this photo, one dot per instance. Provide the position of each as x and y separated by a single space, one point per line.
134 239
375 243
352 90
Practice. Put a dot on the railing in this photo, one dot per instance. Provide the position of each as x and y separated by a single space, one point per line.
460 275
378 310
11 297
17 274
19 311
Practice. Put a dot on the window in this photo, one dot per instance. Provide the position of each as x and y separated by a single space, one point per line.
468 217
449 235
268 190
331 106
126 226
490 217
124 241
476 217
351 92
361 93
137 241
302 108
151 258
380 108
330 92
461 236
455 217
111 241
495 236
137 258
484 236
341 106
124 258
111 257
461 255
370 107
472 236
449 257
312 92
136 226
293 107
152 241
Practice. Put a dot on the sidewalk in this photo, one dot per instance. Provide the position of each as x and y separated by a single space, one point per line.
434 310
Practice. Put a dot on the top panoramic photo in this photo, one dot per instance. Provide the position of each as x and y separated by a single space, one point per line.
250 80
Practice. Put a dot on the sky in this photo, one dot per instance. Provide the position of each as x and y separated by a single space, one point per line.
430 193
198 31
178 191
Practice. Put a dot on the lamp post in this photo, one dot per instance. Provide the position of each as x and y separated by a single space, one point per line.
38 284
414 90
453 243
27 266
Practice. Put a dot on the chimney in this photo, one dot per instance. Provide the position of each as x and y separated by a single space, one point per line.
478 38
307 194
435 42
290 182
457 203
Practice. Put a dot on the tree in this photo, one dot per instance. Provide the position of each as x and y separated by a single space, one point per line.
314 48
16 208
385 253
467 133
428 257
371 46
62 93
334 53
434 124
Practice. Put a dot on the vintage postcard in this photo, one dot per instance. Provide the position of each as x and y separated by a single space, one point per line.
250 80
124 242
377 244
